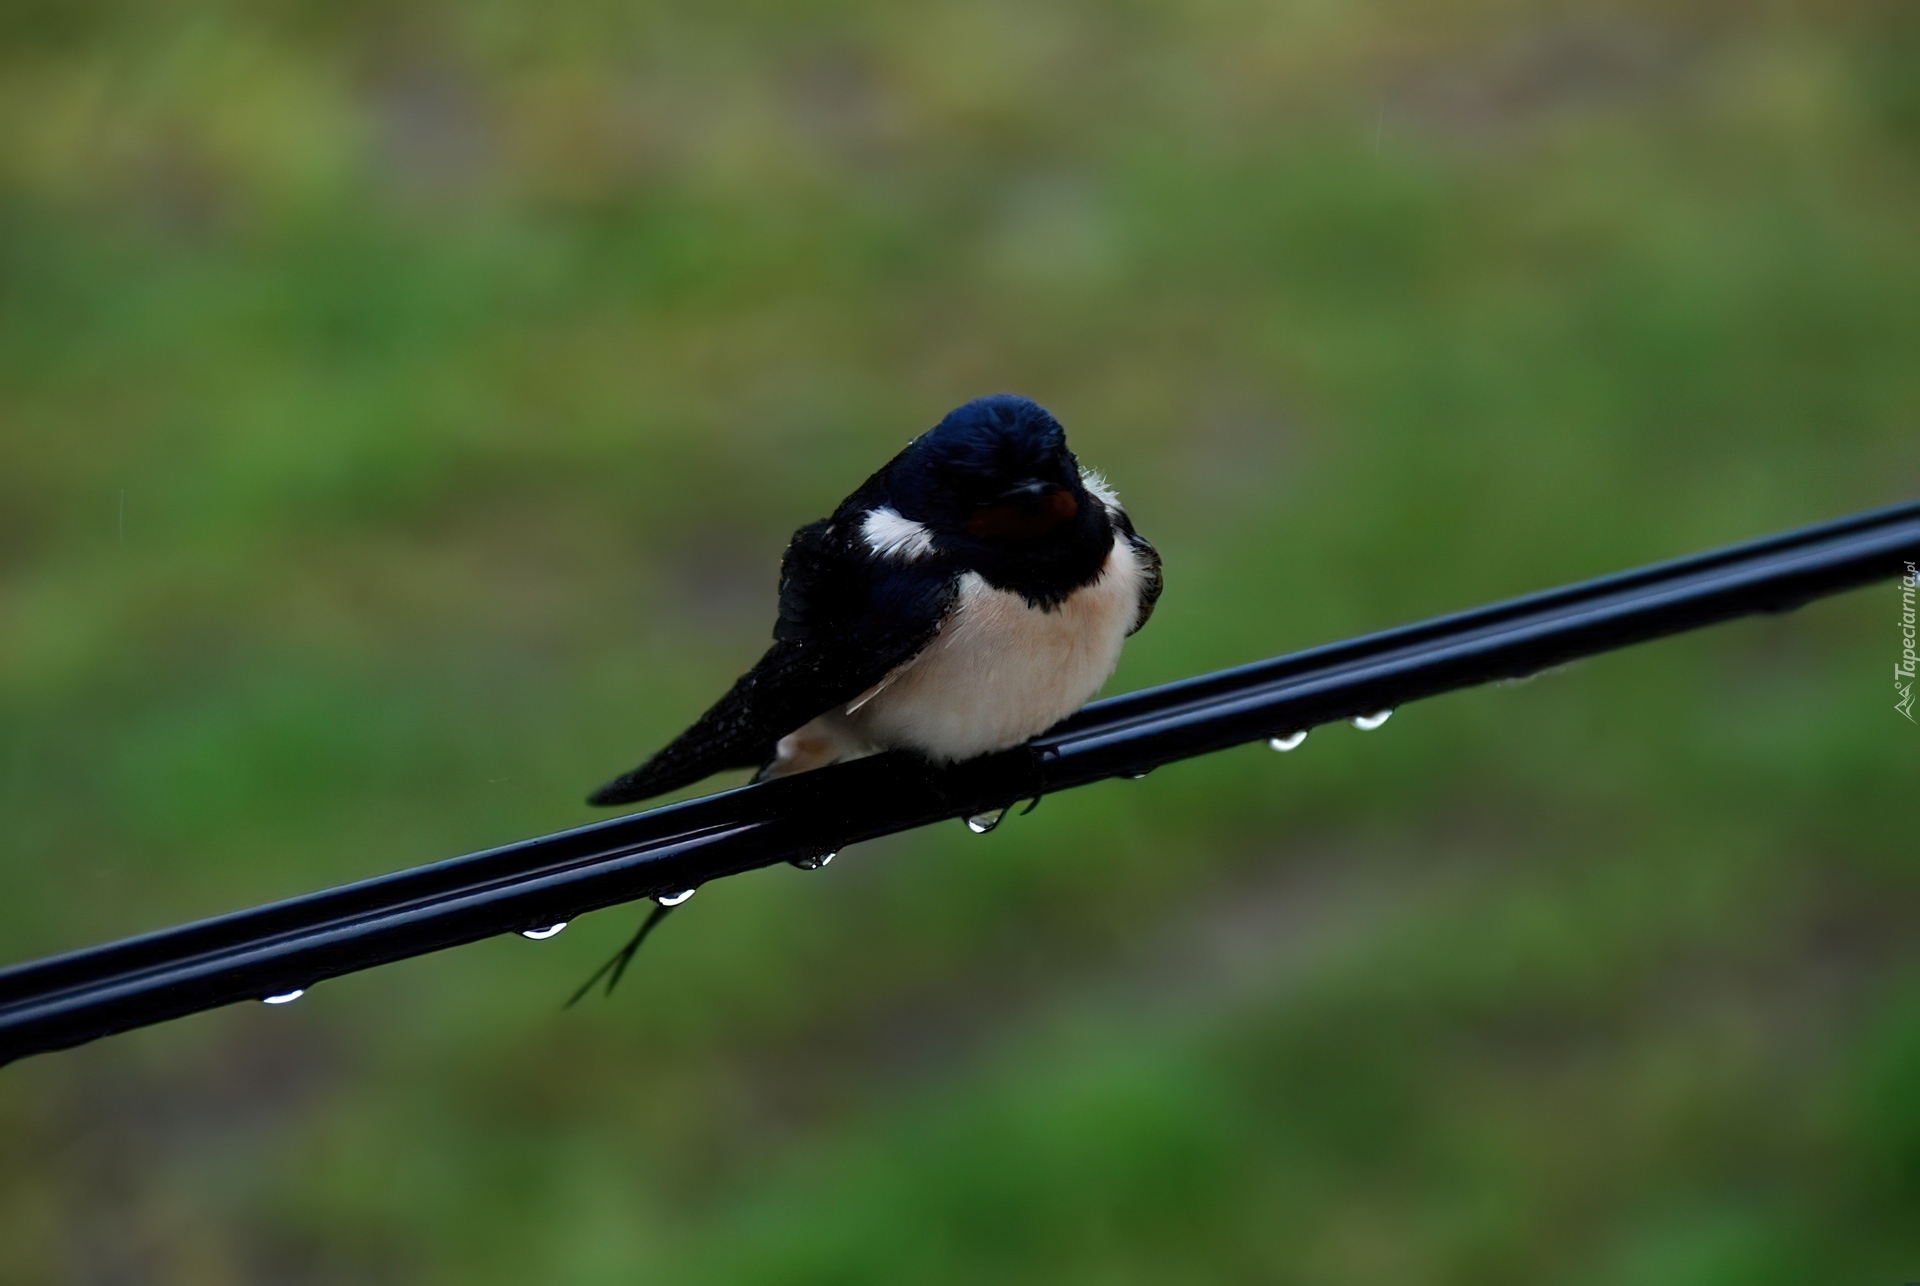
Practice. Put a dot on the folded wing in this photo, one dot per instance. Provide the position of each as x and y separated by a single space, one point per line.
846 621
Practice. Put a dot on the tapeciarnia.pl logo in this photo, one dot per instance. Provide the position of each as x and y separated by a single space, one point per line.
1903 669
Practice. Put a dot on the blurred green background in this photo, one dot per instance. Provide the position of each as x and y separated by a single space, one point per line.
402 411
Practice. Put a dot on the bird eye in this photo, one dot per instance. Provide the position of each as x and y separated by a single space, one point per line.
1027 513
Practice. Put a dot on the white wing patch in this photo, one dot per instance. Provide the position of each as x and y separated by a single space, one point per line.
889 535
1100 490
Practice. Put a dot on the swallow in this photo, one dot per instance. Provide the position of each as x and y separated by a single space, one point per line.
968 596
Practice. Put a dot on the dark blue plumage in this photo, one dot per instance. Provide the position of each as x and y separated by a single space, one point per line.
975 584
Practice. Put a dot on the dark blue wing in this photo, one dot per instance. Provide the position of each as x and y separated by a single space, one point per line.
846 620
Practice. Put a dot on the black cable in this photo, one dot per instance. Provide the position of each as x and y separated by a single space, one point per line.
285 946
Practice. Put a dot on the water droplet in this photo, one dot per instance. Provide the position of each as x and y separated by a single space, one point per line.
815 862
981 823
1136 776
1368 722
673 899
541 935
285 997
1289 742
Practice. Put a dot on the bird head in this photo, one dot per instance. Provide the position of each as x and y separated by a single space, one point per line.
996 486
995 471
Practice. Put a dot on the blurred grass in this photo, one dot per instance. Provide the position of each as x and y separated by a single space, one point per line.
402 409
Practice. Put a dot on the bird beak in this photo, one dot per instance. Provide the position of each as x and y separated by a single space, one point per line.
1031 490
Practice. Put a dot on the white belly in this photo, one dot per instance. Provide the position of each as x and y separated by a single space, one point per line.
998 672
